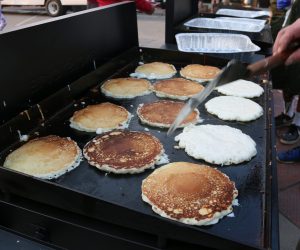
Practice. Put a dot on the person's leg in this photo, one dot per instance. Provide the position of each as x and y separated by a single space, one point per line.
291 106
296 119
286 117
2 20
293 134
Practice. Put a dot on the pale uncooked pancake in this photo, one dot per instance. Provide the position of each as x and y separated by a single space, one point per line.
190 193
163 113
177 88
126 88
241 88
45 157
123 152
217 144
199 72
232 108
155 70
100 118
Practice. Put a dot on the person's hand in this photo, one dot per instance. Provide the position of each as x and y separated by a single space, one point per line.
285 38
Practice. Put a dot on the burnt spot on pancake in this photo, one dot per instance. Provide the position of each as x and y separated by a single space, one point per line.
123 151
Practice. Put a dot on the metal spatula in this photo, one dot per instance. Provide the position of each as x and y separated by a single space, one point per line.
233 71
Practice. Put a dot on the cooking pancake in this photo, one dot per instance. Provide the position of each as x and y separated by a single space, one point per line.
155 70
189 193
241 88
45 157
199 72
100 118
123 152
163 113
217 144
177 88
126 88
232 108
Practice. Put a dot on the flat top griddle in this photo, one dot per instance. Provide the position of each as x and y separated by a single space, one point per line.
247 228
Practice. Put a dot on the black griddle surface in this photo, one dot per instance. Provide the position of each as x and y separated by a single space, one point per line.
247 225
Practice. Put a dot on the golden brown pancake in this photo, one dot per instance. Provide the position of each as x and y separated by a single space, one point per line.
100 118
123 152
45 157
199 72
190 193
126 88
177 88
163 113
155 70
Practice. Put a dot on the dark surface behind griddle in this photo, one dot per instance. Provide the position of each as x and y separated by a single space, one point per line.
38 60
246 227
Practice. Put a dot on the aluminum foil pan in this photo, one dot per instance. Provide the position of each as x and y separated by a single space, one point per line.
243 13
214 43
224 24
245 20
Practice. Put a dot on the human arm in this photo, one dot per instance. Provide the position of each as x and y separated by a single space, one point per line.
287 37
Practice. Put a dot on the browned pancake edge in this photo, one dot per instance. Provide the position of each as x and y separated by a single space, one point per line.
123 151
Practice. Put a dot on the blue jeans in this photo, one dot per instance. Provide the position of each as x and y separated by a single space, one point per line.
2 21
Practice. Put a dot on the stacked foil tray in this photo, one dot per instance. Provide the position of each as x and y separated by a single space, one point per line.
214 43
225 24
243 13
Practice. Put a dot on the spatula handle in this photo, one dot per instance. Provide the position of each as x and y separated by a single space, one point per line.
272 61
269 62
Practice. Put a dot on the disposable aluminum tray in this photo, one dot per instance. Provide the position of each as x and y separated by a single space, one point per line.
243 13
116 199
214 43
244 20
224 24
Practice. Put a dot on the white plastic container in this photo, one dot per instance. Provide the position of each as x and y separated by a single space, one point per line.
224 24
243 13
214 43
245 20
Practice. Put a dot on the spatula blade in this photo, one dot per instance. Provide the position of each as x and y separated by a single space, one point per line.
233 71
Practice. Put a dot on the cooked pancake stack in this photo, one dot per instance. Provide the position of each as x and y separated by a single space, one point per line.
200 73
126 88
100 118
155 70
162 114
123 152
182 191
45 157
177 88
189 193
